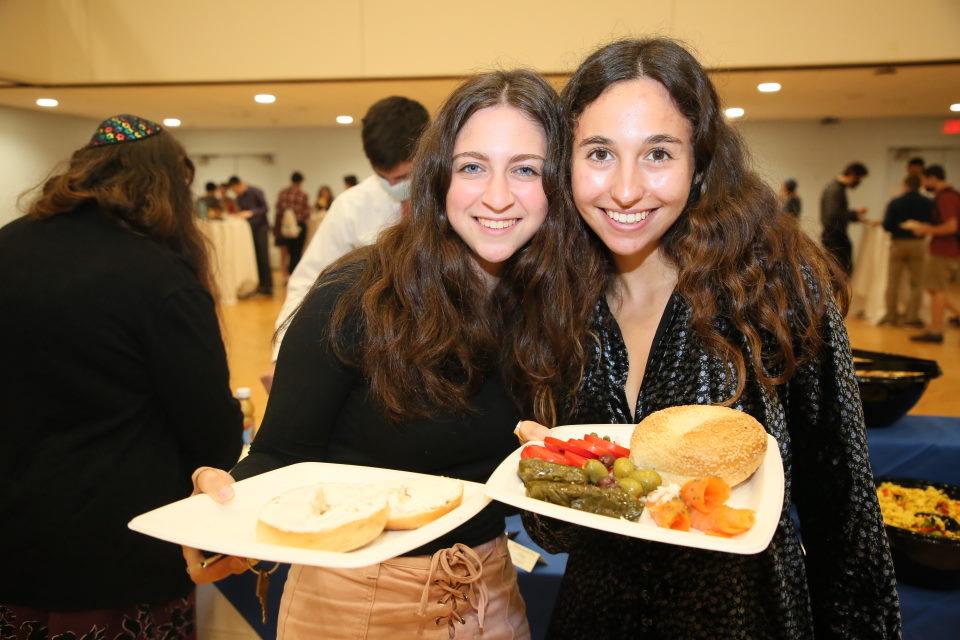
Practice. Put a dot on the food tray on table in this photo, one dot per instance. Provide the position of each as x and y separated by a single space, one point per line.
230 528
762 492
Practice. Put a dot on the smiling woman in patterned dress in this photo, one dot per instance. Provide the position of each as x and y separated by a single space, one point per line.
707 294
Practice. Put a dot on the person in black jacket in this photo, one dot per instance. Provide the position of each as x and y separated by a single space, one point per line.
115 386
836 214
907 252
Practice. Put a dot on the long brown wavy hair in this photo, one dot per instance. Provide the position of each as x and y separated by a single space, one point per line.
144 185
739 257
430 331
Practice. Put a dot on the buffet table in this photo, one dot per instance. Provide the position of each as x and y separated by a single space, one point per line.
925 447
233 261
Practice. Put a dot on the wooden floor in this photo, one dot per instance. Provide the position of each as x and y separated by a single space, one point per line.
248 328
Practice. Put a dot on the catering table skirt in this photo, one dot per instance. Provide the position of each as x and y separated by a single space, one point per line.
925 447
234 261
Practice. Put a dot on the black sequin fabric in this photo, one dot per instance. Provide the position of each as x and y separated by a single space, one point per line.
839 584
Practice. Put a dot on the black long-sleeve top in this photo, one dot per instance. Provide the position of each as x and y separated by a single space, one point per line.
321 410
835 212
255 202
909 206
844 587
114 388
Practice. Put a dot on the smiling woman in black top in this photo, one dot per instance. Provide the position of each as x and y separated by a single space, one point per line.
402 357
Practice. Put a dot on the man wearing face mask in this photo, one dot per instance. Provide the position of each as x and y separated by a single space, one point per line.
391 128
835 214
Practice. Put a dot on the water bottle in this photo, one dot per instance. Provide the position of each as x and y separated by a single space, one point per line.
249 416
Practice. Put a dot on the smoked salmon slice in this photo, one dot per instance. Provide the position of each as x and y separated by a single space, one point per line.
705 494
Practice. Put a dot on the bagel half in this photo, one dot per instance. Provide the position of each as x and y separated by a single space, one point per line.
325 517
696 441
417 502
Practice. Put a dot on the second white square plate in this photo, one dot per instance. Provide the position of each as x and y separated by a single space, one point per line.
762 492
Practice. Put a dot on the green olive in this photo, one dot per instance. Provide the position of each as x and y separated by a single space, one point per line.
631 486
621 467
594 469
649 478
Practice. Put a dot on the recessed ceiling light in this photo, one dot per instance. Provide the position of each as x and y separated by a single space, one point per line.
265 98
172 122
47 102
768 87
734 112
954 107
344 119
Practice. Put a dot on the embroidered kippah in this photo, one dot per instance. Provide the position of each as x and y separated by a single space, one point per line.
123 128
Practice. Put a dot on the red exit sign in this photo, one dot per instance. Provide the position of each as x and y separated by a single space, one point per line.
951 126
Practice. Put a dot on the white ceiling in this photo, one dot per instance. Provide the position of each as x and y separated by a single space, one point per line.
861 92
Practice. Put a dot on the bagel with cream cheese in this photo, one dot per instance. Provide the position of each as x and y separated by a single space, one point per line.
342 517
695 441
325 517
417 502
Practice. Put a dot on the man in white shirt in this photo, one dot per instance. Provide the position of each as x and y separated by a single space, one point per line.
390 132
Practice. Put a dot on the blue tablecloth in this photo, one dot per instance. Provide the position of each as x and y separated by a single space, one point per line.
926 447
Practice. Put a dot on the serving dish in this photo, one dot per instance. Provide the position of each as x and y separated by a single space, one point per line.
921 559
762 492
230 529
890 384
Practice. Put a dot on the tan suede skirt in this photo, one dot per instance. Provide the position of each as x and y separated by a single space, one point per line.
460 592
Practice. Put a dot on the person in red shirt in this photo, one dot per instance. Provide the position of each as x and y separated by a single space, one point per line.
944 232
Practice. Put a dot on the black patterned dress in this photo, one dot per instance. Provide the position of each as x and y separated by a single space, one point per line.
842 587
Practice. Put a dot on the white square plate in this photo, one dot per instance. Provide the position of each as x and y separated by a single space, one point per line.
200 522
762 492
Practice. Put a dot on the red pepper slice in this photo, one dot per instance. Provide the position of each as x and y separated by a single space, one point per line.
592 447
554 444
581 448
536 451
574 460
612 447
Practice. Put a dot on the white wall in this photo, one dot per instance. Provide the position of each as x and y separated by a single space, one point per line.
812 153
31 145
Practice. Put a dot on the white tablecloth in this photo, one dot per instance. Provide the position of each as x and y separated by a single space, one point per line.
233 261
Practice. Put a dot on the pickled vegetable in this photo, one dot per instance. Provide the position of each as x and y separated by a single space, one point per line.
533 469
614 503
594 470
633 487
622 467
649 478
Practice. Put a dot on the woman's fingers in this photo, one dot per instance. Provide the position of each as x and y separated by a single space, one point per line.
203 569
216 483
529 430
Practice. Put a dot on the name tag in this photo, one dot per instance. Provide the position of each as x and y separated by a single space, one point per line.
523 557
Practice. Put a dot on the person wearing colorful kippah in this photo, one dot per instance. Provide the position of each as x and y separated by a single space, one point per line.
115 387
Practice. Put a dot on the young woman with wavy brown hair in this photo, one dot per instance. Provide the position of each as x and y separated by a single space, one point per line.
116 387
708 294
401 358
